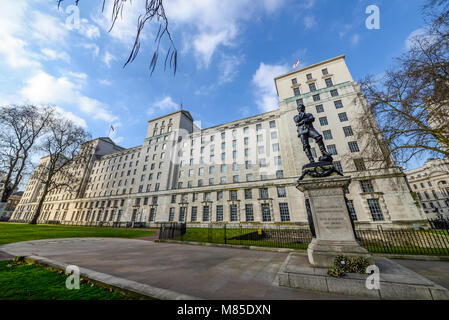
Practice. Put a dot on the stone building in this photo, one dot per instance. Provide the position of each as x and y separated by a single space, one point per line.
431 185
239 172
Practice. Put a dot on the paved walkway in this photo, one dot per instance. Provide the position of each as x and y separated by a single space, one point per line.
199 271
204 272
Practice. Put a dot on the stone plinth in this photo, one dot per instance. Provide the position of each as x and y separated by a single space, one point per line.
329 217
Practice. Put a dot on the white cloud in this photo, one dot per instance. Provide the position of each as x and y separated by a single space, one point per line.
355 38
105 82
47 28
309 22
55 55
46 89
229 68
92 46
89 30
108 58
213 24
125 27
164 105
263 79
70 116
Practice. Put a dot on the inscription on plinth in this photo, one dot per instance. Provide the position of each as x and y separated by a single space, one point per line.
329 217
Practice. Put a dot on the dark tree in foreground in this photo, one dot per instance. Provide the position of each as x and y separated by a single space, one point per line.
67 152
411 100
154 10
20 129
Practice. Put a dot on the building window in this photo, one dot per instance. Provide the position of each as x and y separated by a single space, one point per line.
233 195
312 87
296 92
319 108
152 214
248 194
334 93
282 193
171 216
279 174
366 186
309 76
352 213
274 135
375 209
273 124
338 104
348 131
323 121
327 135
249 177
206 213
219 213
263 193
325 72
285 214
294 81
219 195
194 217
332 149
359 164
266 215
249 213
353 146
233 211
343 117
275 147
329 82
299 102
235 178
316 97
338 166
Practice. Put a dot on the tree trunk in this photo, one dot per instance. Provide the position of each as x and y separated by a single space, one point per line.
39 207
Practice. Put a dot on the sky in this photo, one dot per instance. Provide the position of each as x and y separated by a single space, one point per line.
229 54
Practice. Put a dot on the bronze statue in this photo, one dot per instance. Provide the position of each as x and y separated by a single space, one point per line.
304 123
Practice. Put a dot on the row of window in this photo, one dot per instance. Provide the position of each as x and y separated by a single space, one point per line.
233 195
233 213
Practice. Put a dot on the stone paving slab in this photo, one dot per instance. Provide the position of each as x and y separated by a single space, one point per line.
198 271
396 281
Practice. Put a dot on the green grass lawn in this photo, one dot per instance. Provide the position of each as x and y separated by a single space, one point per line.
13 232
22 281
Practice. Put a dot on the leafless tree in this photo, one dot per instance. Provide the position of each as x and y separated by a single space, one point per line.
20 129
411 100
154 11
67 153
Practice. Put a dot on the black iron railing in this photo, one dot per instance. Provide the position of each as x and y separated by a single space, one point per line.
431 241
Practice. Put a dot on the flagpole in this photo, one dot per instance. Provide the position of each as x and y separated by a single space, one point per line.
109 133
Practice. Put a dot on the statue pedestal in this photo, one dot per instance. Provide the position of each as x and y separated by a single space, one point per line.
329 217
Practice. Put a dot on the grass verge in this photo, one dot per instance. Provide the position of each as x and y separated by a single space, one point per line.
12 232
22 281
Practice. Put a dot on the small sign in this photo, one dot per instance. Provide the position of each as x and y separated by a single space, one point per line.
259 232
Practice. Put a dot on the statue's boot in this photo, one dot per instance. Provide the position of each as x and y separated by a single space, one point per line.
323 148
309 155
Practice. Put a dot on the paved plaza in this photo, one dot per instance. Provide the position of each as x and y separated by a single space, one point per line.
198 271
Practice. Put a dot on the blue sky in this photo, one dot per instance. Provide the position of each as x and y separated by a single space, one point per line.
229 53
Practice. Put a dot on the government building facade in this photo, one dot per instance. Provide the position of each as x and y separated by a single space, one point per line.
244 171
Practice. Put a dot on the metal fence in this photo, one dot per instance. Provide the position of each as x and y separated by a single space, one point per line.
172 230
431 241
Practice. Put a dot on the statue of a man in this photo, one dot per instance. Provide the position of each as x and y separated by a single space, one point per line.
304 123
